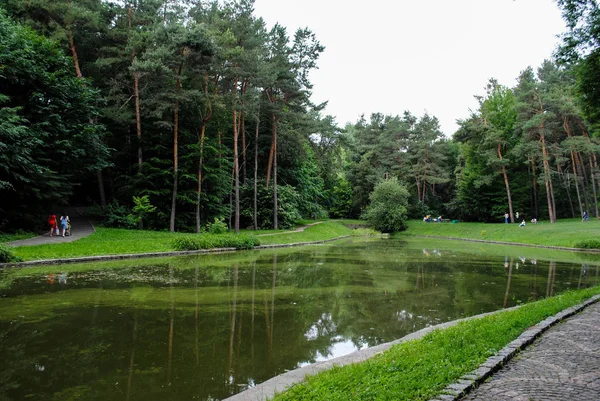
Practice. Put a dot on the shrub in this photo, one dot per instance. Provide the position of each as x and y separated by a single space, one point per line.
211 241
217 227
141 209
288 201
6 255
588 244
365 232
388 209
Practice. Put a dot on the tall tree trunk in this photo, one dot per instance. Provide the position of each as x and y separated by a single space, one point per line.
574 164
275 200
595 166
236 166
567 129
506 184
74 52
243 130
547 176
593 181
534 187
584 180
255 204
136 95
175 148
138 118
565 179
552 195
270 163
199 188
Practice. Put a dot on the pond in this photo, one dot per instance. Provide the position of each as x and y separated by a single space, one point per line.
207 327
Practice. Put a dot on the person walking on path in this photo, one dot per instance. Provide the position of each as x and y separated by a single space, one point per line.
52 223
83 228
64 222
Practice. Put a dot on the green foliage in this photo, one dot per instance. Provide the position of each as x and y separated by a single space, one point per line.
211 241
7 256
217 227
114 215
141 209
288 205
588 244
365 232
341 206
49 139
387 211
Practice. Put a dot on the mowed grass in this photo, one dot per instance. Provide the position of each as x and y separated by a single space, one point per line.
317 232
420 369
565 232
105 241
112 241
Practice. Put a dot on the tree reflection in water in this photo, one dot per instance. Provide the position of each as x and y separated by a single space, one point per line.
106 333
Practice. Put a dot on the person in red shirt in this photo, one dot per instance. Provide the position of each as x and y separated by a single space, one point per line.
52 223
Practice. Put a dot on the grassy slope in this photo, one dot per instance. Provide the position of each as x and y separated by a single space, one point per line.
565 233
111 241
420 369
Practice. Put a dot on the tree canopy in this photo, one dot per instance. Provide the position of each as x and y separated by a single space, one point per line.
206 114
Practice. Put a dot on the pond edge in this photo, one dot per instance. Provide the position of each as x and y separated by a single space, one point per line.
558 248
96 258
452 392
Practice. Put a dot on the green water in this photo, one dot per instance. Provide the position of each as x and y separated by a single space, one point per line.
207 327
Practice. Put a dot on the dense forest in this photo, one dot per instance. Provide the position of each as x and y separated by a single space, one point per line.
197 109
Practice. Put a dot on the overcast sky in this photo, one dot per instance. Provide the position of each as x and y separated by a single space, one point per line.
420 55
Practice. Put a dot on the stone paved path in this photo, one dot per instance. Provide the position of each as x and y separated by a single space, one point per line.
80 227
563 364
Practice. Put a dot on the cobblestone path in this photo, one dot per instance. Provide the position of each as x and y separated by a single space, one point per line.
563 364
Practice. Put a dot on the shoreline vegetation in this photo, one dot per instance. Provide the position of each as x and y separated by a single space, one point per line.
570 233
421 369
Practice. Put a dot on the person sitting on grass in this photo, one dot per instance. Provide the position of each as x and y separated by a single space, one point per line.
522 224
534 221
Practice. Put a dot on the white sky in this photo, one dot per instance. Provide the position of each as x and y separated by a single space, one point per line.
420 55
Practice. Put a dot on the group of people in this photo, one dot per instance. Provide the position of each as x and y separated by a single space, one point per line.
522 224
65 225
428 219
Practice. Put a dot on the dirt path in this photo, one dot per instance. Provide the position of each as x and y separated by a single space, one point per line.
297 230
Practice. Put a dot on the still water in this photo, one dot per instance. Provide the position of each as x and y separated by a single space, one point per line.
207 327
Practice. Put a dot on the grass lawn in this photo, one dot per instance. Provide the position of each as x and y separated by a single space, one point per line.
113 241
15 237
110 241
420 369
565 232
